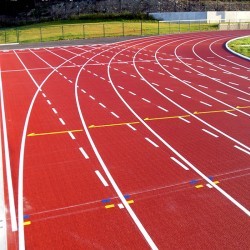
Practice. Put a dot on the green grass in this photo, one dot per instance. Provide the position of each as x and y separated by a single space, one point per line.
75 29
241 45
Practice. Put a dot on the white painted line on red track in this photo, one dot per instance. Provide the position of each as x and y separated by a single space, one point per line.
62 121
102 179
246 100
83 91
185 120
169 89
132 93
221 92
146 100
12 208
102 105
207 104
233 83
115 115
179 163
44 95
133 76
48 101
242 149
102 78
92 97
210 133
84 153
70 81
230 113
202 86
120 87
133 128
155 84
150 141
162 108
71 135
185 96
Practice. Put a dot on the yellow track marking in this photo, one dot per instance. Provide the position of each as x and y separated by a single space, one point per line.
26 223
110 206
130 201
199 186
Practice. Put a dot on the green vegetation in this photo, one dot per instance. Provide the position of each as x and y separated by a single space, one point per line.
241 45
80 29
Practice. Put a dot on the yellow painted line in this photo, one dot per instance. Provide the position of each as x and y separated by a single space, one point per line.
55 133
216 182
199 186
166 117
110 206
26 223
130 202
112 124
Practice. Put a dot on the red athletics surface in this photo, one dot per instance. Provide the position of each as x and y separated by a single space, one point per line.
137 144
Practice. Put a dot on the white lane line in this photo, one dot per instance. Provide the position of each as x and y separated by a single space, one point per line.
186 81
84 153
54 110
48 101
183 119
162 108
207 104
83 91
202 86
242 149
133 75
71 135
233 83
70 81
62 121
12 208
179 163
115 115
213 69
44 95
169 89
230 113
187 71
95 74
221 92
120 87
161 73
151 70
104 182
132 93
92 97
200 67
102 105
186 96
60 73
154 144
146 100
102 78
65 77
208 132
235 68
124 72
176 68
133 128
243 99
155 84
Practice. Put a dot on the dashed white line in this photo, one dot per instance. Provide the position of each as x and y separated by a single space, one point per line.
202 86
246 100
71 135
208 132
65 77
70 81
62 121
207 104
161 73
84 153
102 78
44 95
133 75
102 105
54 110
242 149
187 71
186 96
115 115
213 69
162 108
83 91
132 93
155 84
130 126
233 83
221 92
92 97
104 182
169 89
120 87
230 113
146 100
179 163
183 119
153 143
48 101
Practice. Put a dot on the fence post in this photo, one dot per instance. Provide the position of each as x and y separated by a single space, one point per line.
41 35
83 31
103 27
158 27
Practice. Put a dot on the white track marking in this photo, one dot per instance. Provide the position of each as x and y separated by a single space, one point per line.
162 108
230 113
132 93
169 89
104 182
71 135
234 83
12 208
150 141
207 104
179 163
115 115
48 101
120 87
221 92
242 149
243 99
84 153
92 97
202 86
186 96
146 100
183 119
83 91
133 128
208 132
44 95
102 105
54 110
62 121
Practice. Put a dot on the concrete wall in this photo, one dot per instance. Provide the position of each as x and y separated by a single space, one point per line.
209 16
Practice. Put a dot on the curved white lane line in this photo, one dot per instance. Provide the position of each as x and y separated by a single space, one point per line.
229 197
21 238
105 168
12 207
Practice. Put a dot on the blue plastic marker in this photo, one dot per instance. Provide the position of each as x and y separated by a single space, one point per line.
211 178
26 216
106 200
126 196
193 181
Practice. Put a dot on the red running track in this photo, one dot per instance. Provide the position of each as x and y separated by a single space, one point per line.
133 145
